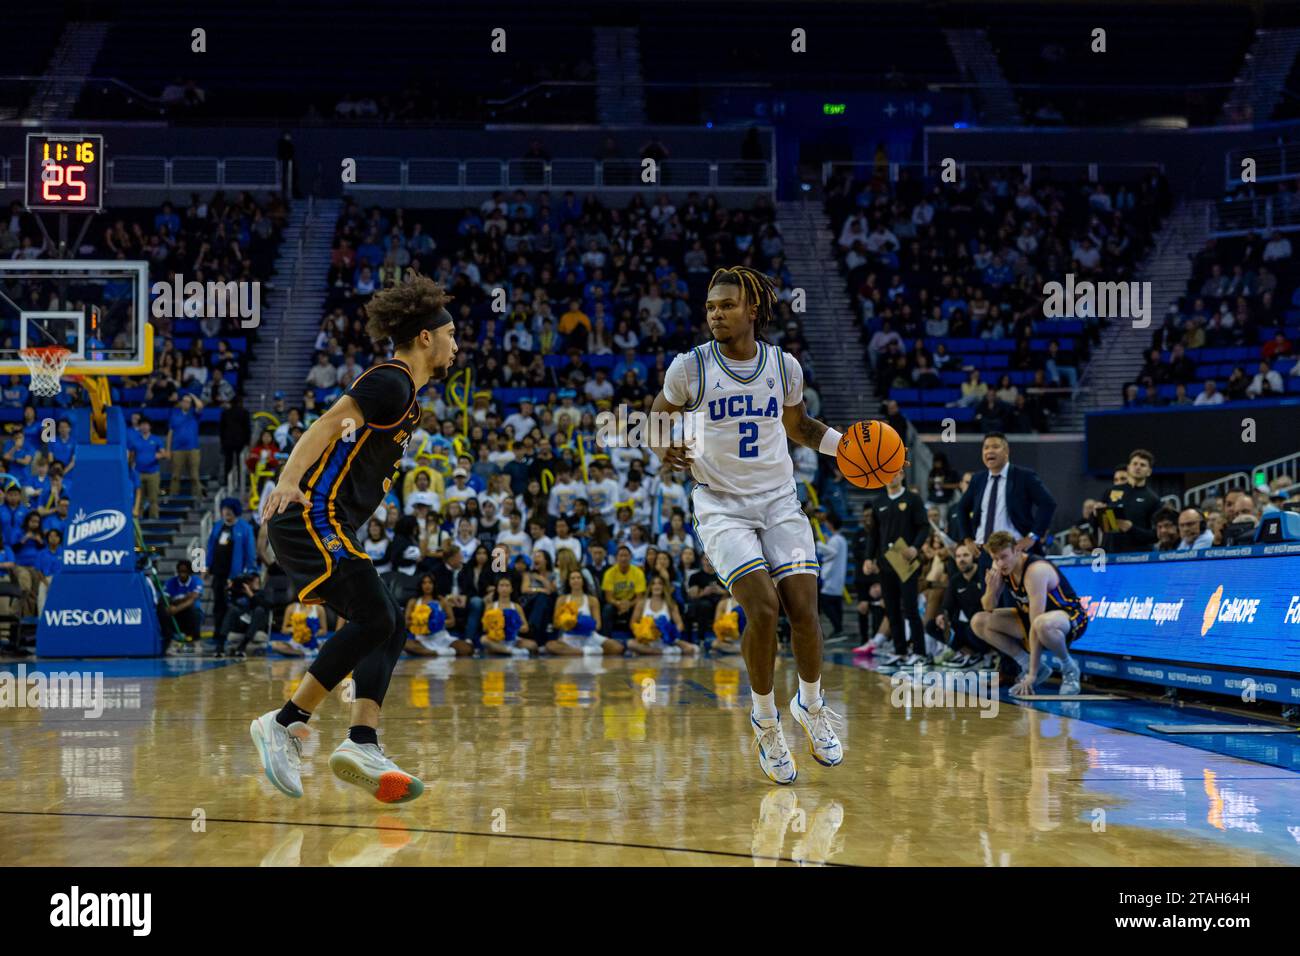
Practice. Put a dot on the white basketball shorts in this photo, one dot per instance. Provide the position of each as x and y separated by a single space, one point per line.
744 533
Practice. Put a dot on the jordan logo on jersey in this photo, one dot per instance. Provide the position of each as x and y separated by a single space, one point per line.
742 406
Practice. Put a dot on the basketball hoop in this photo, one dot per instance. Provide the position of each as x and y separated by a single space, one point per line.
46 364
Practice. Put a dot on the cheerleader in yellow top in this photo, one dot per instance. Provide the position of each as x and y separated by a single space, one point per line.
505 627
427 623
304 627
577 621
727 626
657 624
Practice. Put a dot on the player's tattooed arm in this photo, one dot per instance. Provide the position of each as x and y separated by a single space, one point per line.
802 429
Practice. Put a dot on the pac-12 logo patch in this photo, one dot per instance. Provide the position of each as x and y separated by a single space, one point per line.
332 543
771 383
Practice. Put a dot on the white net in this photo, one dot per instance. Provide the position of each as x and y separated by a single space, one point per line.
46 366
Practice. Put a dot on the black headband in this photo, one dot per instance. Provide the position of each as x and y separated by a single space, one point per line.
441 317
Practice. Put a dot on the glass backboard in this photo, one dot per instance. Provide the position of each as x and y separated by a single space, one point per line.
97 309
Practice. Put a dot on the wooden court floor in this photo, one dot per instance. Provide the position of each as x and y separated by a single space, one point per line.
576 762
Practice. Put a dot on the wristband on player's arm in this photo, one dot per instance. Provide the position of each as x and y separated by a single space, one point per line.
830 442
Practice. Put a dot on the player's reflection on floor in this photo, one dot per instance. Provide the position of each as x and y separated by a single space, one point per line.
816 835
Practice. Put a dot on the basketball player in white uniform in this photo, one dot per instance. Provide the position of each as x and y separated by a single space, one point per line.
743 398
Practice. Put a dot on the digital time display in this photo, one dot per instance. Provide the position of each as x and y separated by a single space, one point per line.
65 172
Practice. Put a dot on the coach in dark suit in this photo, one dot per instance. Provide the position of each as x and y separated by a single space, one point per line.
1007 498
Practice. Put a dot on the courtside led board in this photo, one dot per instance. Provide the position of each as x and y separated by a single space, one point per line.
64 173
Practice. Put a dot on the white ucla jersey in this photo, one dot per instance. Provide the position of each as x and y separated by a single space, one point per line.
739 440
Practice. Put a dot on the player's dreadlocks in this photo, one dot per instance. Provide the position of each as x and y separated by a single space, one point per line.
757 288
405 310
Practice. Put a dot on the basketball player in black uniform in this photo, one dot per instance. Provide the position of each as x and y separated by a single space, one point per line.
335 478
1047 613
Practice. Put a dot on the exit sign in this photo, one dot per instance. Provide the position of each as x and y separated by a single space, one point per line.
833 109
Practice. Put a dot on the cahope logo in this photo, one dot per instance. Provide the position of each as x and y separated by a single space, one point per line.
96 526
76 617
133 910
1228 610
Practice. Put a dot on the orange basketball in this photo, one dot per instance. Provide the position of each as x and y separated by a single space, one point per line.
870 454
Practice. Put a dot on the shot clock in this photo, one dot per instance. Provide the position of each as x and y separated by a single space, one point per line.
65 173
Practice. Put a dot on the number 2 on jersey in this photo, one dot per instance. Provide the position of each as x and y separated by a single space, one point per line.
749 439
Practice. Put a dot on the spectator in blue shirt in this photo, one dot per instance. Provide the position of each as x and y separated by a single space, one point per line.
58 520
64 447
183 443
17 457
51 559
167 218
145 451
60 487
32 543
32 429
25 578
15 393
629 362
184 592
36 489
12 513
231 554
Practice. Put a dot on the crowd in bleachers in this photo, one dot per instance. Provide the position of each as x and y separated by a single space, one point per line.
949 283
1232 337
511 496
199 366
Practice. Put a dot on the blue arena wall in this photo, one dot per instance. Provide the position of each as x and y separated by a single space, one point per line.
1211 620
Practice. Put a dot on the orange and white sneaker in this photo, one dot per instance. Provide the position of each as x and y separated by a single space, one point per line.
368 767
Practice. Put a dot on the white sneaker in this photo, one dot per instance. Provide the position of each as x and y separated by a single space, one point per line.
520 652
1070 677
368 767
822 742
281 751
773 754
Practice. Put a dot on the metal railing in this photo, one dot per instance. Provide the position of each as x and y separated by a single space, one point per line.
1272 163
1287 466
194 172
388 173
1198 493
1240 217
1095 170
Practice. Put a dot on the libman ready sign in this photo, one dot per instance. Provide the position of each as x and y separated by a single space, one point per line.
98 604
100 538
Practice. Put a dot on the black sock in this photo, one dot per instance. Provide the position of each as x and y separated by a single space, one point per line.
291 713
361 734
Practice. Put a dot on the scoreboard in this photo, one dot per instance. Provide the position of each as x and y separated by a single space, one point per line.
65 173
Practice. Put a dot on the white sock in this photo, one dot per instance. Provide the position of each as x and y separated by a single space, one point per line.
764 705
810 693
1021 658
878 639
